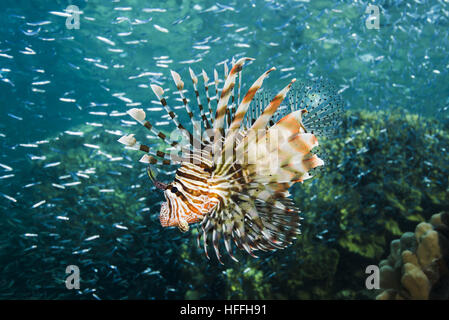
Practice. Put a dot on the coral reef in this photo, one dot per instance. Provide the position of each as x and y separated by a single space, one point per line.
418 264
384 174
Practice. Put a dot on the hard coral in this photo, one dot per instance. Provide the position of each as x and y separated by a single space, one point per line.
417 267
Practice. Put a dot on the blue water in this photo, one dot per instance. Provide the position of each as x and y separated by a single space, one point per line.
56 81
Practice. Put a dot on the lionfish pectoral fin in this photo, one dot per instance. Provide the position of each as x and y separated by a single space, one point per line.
226 93
265 117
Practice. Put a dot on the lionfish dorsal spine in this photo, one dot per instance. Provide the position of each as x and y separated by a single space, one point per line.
231 109
206 89
229 143
217 97
204 119
130 142
239 88
140 116
159 92
180 86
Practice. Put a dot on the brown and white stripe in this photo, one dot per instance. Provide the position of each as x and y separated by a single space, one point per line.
245 203
197 94
206 89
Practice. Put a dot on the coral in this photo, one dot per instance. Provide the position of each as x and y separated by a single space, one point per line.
384 174
247 284
381 172
417 267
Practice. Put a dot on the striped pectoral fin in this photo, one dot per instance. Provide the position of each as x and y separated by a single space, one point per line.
297 168
265 117
243 107
227 235
311 161
290 125
301 162
288 167
303 142
271 220
286 136
226 93
216 235
256 229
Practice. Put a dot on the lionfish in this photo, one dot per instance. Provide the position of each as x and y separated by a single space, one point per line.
237 166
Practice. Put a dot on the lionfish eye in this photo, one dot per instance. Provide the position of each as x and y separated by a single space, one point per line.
174 189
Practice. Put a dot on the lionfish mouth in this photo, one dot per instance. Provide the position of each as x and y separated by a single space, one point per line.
244 203
164 215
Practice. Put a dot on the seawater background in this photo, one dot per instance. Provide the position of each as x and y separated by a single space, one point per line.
56 82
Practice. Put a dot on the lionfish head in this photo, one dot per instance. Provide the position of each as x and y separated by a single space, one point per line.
172 210
176 211
173 213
